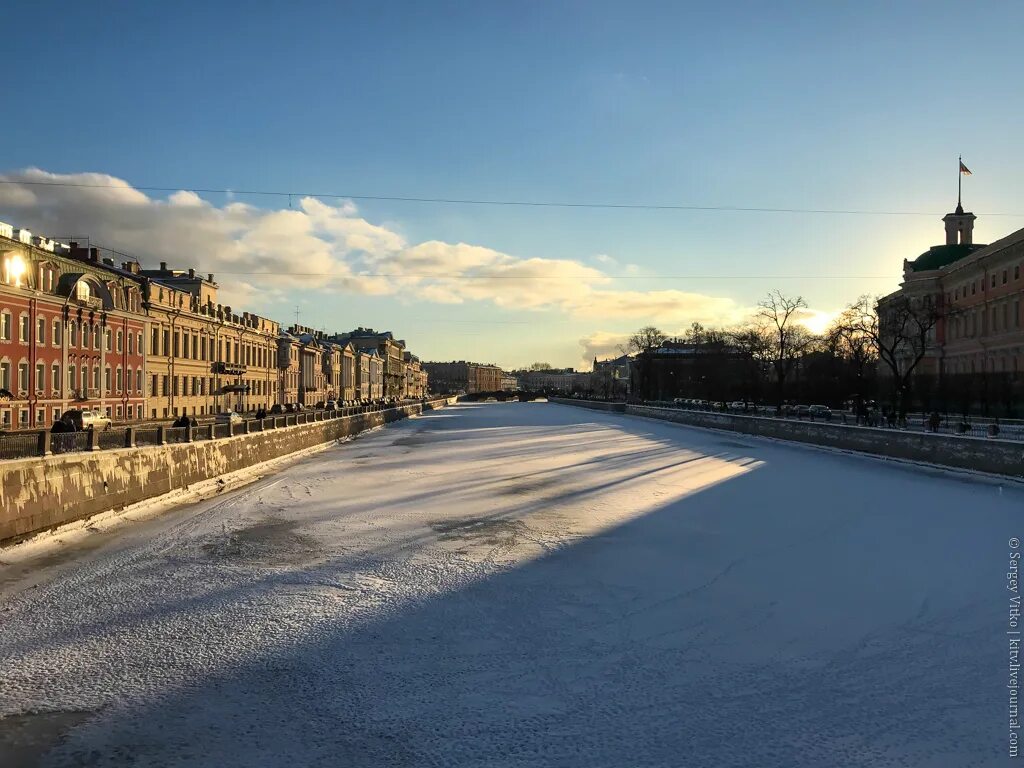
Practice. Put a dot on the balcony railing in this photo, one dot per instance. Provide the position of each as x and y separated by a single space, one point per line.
91 302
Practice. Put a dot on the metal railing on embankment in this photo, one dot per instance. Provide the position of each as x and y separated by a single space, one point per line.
21 445
949 425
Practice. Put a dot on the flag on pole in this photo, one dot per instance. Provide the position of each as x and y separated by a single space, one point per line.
964 169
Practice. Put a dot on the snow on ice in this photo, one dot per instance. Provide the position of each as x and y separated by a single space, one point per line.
528 584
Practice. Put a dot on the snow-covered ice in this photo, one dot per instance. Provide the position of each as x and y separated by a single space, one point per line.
528 584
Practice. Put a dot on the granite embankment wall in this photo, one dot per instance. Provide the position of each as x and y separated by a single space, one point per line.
1003 457
43 492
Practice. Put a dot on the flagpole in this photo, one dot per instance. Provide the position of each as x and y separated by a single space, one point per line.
959 181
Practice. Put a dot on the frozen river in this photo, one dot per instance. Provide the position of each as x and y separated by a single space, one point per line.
528 584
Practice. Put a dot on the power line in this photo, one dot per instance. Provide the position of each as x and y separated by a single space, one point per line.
556 277
479 201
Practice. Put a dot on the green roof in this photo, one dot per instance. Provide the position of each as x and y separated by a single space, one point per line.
940 255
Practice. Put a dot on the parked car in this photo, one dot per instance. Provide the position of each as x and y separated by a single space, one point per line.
737 405
276 409
801 410
331 405
229 417
820 411
89 418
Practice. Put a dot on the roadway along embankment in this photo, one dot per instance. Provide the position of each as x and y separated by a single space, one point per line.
43 492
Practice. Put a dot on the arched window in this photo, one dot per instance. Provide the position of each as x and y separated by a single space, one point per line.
5 374
107 339
5 326
85 378
23 327
86 331
55 379
40 377
119 379
82 291
41 331
120 341
106 379
55 337
138 381
23 376
96 377
72 382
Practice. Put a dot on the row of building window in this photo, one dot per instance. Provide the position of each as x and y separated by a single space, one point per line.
961 291
1004 316
186 386
991 364
8 416
195 346
89 334
114 380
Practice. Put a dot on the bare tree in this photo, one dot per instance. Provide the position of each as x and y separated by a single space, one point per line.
638 342
699 334
849 341
900 339
789 340
540 366
646 338
754 344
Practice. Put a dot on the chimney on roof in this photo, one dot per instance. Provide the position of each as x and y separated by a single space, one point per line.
73 245
94 254
191 273
210 277
163 266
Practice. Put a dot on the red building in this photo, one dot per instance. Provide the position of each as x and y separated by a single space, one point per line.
72 332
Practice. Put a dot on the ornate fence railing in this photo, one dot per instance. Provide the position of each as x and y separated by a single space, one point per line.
26 444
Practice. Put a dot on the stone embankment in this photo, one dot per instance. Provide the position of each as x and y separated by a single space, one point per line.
1002 457
43 492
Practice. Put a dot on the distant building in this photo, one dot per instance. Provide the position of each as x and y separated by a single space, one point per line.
610 378
462 376
705 371
563 380
391 352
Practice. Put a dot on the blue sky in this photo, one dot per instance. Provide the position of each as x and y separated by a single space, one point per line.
829 105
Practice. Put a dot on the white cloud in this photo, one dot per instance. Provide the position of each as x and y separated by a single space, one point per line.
602 345
321 247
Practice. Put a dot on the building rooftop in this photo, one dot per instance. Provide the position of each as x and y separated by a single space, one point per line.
939 256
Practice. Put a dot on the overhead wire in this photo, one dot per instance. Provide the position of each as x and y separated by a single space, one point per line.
289 194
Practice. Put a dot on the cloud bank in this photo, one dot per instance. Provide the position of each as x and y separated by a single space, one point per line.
328 248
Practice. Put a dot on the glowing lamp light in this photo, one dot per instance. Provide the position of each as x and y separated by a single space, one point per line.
15 269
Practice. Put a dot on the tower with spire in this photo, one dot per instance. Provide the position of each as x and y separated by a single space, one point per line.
960 225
